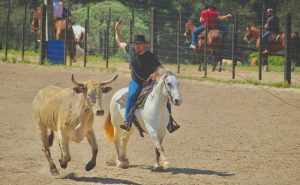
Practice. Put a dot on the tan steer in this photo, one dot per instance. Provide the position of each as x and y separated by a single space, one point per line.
69 111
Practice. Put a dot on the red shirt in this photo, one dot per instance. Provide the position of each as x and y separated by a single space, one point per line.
212 15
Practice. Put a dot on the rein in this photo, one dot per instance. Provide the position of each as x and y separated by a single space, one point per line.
170 97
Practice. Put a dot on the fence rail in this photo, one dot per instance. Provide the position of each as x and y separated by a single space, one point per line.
165 35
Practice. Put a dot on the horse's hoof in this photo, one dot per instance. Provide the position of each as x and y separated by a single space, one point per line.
157 168
63 164
125 159
166 166
122 165
90 165
53 170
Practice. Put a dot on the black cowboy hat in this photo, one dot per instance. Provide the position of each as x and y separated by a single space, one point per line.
139 39
211 7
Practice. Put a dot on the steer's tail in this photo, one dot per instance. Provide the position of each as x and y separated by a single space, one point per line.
109 128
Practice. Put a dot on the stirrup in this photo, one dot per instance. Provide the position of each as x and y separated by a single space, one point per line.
172 125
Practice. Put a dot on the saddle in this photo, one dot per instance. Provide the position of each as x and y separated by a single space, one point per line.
274 37
202 35
147 89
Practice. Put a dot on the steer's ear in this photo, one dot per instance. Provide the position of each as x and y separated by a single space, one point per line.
106 89
78 89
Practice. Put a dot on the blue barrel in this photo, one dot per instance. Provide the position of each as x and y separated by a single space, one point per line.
56 51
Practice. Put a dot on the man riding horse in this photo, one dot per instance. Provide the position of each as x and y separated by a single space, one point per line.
211 14
271 27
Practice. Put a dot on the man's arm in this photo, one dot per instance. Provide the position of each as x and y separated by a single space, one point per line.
159 71
201 20
225 17
119 37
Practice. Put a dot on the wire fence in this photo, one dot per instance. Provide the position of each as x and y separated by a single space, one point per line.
164 32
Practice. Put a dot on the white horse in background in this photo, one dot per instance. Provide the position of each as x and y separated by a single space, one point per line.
79 33
153 118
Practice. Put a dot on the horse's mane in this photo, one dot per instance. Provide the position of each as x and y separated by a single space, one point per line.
168 72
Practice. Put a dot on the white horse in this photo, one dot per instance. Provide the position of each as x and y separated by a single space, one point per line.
153 118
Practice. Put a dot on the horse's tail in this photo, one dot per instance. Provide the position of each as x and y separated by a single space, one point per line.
109 128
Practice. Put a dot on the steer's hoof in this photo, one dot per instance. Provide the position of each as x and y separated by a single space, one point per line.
53 170
63 164
89 166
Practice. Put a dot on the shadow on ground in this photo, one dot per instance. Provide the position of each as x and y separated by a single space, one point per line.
72 176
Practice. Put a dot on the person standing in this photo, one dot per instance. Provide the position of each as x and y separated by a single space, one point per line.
144 65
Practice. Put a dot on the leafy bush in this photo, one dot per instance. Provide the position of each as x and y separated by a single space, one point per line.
98 18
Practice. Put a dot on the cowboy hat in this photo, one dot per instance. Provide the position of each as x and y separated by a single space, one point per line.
139 39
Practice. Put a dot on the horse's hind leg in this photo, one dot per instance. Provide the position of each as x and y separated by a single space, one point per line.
46 150
123 149
221 67
117 146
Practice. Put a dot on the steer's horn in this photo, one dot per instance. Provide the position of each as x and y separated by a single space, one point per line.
76 83
108 81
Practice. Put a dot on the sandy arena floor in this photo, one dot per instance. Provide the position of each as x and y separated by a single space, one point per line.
230 134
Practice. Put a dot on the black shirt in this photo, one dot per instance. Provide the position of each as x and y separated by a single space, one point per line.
273 23
142 66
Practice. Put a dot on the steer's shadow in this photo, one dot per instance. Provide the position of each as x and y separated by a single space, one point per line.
187 171
72 176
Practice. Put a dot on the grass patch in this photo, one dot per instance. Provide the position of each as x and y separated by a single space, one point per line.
235 81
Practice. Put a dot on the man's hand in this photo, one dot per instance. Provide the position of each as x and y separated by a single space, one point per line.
118 25
153 76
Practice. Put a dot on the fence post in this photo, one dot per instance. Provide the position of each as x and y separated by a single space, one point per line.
114 41
7 23
154 30
66 38
85 36
50 20
260 47
234 41
43 35
131 25
23 31
107 37
287 51
104 44
178 47
205 46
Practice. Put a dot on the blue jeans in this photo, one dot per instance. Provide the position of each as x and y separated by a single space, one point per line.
265 38
195 34
134 90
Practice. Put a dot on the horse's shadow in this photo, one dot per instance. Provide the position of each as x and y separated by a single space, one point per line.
187 171
72 176
191 171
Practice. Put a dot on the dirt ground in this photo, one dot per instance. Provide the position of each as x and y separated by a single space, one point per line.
230 134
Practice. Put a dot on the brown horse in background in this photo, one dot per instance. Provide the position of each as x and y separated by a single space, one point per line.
60 30
213 43
277 43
